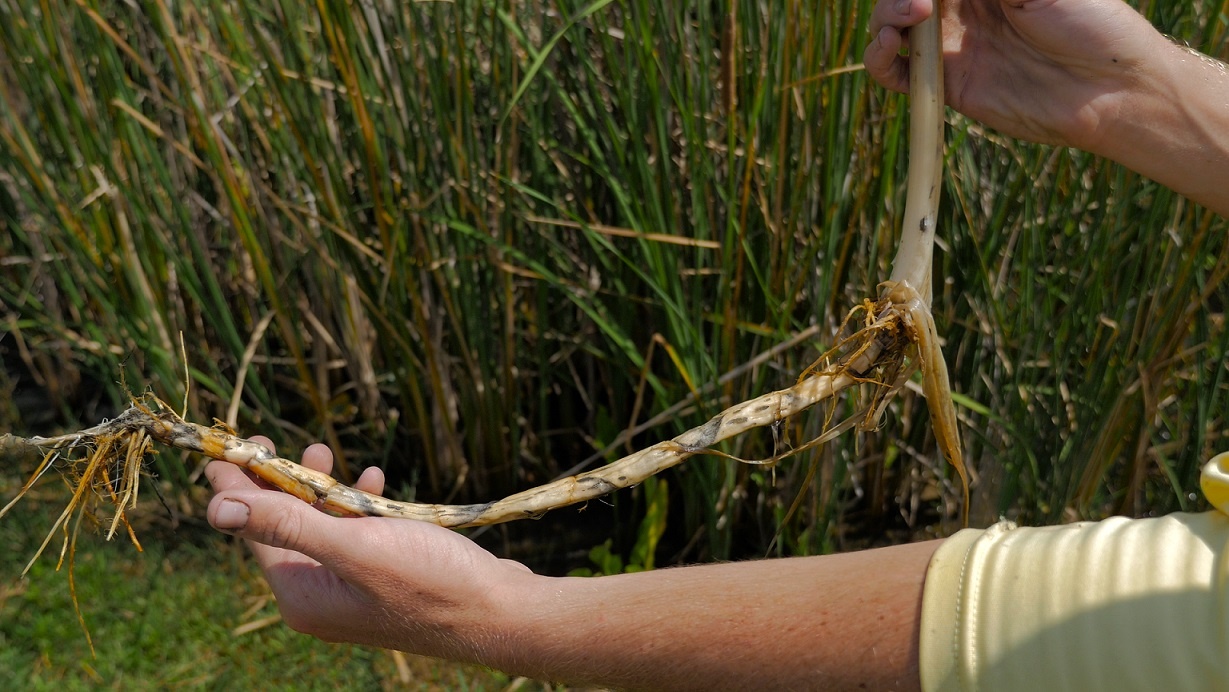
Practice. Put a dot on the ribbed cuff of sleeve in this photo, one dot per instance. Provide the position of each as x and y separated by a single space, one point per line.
1112 605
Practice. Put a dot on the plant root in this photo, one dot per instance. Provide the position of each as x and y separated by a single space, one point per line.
897 335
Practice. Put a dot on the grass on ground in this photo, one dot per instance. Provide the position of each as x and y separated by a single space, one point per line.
184 614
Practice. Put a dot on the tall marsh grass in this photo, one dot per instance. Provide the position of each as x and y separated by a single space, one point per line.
478 242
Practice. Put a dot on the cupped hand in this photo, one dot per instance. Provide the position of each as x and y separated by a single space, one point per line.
1050 71
395 583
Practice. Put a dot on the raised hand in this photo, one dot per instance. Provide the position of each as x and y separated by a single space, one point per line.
1091 74
1044 70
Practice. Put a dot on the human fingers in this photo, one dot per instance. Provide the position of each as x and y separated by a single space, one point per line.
371 481
883 60
371 554
361 550
223 475
264 442
280 520
318 457
302 584
231 511
899 14
390 582
223 513
888 23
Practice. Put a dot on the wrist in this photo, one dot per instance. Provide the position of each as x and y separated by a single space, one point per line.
1171 124
1141 101
556 628
504 631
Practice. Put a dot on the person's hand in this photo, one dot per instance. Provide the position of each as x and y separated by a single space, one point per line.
394 583
1050 71
850 620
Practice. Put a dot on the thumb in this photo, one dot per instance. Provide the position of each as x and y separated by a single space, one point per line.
274 523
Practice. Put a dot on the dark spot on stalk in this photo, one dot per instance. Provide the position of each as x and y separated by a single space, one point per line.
704 436
463 514
361 502
600 485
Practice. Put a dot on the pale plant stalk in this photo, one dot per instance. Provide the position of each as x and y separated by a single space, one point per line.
910 283
917 233
897 336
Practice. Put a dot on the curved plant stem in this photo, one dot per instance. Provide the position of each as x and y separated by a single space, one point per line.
897 336
150 419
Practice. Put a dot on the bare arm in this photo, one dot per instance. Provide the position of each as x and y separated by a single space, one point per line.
833 622
1175 128
1091 74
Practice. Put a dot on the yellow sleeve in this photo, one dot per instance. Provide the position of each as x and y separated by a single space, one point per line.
1119 604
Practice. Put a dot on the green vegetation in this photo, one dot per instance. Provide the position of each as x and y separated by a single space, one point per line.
185 614
476 242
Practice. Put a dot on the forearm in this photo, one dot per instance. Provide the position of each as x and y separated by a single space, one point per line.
828 622
1174 127
832 622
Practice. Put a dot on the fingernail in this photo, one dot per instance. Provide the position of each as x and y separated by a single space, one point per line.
902 6
232 515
